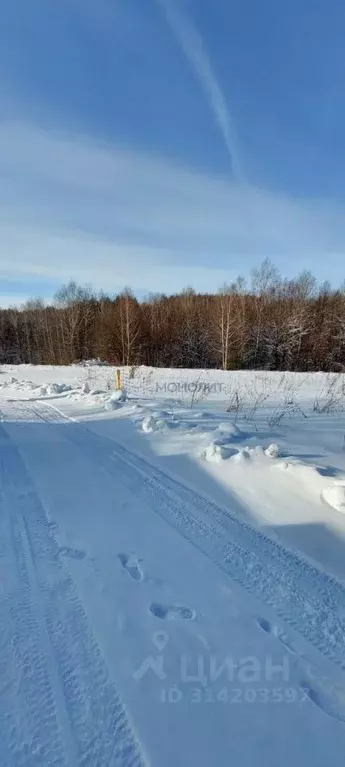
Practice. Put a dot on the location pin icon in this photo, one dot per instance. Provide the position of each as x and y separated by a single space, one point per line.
160 640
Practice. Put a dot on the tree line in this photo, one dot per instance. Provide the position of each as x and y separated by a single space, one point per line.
267 323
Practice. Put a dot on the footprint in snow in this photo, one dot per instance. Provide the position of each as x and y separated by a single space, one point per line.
131 565
328 697
171 612
270 628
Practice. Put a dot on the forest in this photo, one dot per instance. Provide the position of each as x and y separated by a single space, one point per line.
267 322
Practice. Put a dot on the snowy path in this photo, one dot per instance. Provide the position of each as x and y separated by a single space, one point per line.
100 549
61 681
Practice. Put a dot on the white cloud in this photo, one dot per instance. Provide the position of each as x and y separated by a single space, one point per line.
72 208
193 47
104 265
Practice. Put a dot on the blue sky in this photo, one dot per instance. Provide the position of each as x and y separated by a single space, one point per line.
166 143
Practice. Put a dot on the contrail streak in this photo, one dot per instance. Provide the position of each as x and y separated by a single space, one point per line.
192 45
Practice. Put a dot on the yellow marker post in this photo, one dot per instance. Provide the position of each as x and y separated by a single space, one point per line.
118 380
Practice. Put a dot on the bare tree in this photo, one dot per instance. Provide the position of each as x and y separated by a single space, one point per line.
227 323
273 324
129 327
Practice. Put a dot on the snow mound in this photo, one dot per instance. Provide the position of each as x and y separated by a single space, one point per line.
217 452
243 454
150 424
118 396
272 451
22 385
111 404
255 453
54 388
249 453
334 495
115 400
214 453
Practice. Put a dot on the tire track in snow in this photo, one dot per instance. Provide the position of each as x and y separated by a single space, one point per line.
306 598
31 733
284 582
56 691
311 601
75 715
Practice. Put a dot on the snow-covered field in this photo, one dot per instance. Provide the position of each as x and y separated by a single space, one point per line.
172 563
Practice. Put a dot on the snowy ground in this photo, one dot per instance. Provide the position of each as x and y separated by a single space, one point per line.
172 573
